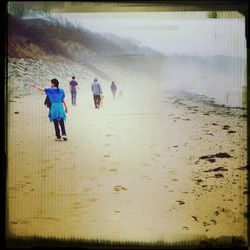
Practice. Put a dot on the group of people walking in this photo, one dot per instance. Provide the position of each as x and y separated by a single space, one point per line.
55 101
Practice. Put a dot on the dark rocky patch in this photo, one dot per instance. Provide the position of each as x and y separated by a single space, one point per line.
194 217
211 160
181 202
219 175
243 168
219 155
216 169
198 181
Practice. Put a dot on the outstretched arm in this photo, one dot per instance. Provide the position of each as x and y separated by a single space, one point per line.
38 88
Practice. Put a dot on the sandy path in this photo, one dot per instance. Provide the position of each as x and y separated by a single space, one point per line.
129 171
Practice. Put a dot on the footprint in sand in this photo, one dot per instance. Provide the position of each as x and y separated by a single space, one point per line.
113 169
175 179
107 156
119 188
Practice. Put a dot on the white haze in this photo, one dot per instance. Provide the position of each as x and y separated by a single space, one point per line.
216 48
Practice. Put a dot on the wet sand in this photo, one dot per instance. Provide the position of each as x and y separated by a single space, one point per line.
145 167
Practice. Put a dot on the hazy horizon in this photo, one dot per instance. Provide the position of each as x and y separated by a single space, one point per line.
190 33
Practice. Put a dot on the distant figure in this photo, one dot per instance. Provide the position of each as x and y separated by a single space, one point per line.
97 93
56 112
113 89
73 90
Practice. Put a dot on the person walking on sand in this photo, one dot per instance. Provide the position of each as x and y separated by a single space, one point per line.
97 93
56 111
73 90
113 89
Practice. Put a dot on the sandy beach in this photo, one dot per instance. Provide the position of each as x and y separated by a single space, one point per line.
147 166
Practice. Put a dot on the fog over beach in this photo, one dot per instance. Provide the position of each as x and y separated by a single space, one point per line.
165 161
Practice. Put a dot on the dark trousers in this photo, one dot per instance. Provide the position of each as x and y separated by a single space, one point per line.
97 101
57 129
73 97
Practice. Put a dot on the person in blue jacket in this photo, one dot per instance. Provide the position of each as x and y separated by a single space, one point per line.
57 114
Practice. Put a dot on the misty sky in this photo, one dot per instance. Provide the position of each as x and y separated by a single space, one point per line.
171 32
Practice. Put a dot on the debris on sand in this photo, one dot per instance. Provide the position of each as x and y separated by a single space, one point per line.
119 188
243 168
216 213
223 155
231 132
209 133
214 221
216 169
205 224
219 155
226 127
181 202
218 175
16 112
204 157
198 181
214 124
195 218
211 160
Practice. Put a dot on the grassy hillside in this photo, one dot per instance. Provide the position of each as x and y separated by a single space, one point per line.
39 39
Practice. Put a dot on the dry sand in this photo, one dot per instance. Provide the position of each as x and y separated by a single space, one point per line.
129 171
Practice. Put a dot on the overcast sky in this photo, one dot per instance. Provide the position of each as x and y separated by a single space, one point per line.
171 32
